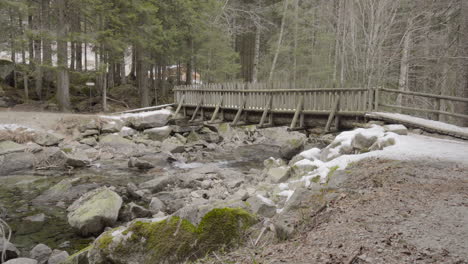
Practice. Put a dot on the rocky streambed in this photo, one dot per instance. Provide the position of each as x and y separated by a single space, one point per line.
62 189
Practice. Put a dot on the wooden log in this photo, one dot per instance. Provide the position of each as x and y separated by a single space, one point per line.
196 110
332 113
266 110
298 112
239 112
181 103
215 113
426 111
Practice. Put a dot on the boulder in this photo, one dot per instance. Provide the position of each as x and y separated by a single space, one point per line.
89 141
262 206
291 142
41 253
46 139
111 126
7 147
58 257
172 240
158 184
10 249
363 142
140 164
17 161
94 211
173 145
114 141
90 133
303 167
77 160
273 163
156 205
397 129
127 132
21 261
147 120
158 133
279 174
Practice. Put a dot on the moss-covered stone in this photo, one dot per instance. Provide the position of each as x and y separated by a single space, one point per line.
173 240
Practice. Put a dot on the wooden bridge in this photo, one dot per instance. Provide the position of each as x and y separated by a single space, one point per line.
271 104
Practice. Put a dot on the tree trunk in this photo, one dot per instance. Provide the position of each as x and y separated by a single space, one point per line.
23 49
280 40
464 22
46 42
296 33
256 58
31 39
63 81
142 77
404 65
134 62
123 78
37 52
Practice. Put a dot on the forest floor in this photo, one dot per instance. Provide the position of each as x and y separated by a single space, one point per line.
386 212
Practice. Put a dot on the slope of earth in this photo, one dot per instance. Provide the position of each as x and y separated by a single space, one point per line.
385 211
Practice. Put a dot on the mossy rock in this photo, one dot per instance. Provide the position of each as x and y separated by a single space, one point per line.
173 240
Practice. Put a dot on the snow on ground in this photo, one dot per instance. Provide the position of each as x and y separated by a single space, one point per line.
406 147
422 122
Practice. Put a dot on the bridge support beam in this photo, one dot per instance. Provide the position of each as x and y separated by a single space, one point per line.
297 114
336 106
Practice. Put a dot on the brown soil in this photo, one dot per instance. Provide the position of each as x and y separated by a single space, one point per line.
385 212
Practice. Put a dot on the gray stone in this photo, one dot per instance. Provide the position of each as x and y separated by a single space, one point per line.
46 139
90 132
94 211
156 205
279 174
10 249
158 133
362 142
111 126
89 141
261 207
6 68
284 226
36 218
58 257
173 145
41 253
397 129
158 184
139 164
150 119
21 261
77 160
132 211
185 129
114 140
7 147
127 132
16 162
273 163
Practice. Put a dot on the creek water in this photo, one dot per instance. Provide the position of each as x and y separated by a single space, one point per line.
19 193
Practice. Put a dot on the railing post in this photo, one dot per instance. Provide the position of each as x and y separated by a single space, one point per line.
370 105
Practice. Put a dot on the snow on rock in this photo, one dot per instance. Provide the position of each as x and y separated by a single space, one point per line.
386 145
143 120
13 127
423 122
397 129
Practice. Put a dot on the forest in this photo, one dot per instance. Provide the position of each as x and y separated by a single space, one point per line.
87 55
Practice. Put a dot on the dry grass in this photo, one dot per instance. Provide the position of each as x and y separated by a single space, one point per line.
19 135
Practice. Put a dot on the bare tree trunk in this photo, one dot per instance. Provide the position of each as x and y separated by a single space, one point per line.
142 77
46 43
464 22
280 40
37 51
296 33
404 65
63 81
123 78
26 88
134 62
256 58
23 49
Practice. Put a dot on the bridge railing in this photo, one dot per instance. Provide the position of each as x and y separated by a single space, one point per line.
352 101
385 98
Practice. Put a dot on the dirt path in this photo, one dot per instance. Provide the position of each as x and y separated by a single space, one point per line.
39 120
387 212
